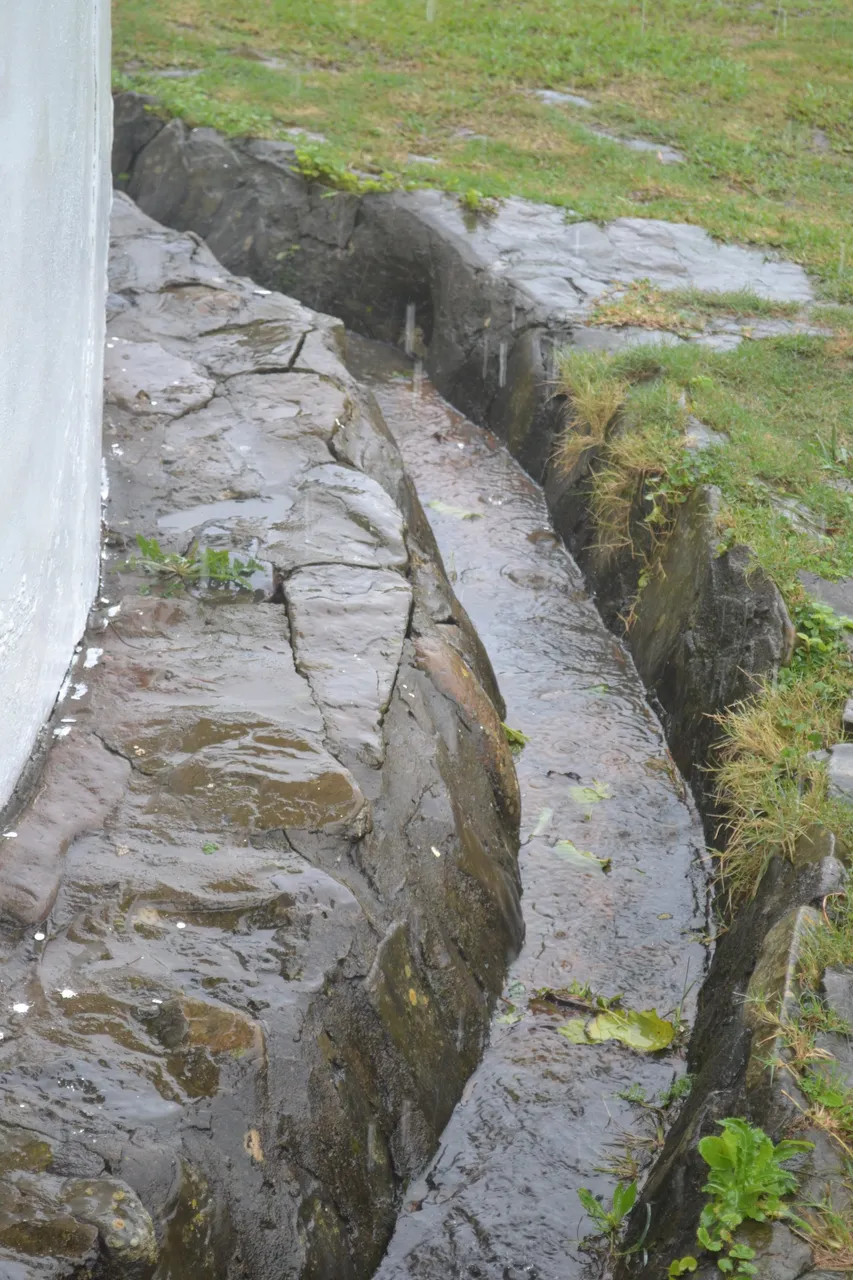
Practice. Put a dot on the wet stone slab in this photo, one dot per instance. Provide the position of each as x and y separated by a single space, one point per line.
542 1117
221 895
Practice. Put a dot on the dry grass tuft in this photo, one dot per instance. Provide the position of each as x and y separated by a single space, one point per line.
595 397
769 789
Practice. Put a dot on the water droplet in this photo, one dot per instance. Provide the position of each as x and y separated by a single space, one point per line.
68 994
409 342
39 937
180 925
20 1007
502 365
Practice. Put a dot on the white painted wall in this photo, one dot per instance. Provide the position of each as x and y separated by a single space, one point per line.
55 126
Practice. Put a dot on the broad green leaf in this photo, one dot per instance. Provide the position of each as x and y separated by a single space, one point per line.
516 739
790 1147
575 1031
589 1202
680 1266
581 857
713 1152
639 1029
624 1199
742 1251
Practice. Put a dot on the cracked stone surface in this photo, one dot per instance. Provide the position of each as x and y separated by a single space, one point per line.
494 298
352 687
220 897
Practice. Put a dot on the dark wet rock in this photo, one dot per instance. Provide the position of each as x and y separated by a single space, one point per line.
537 1118
340 516
840 771
222 897
348 627
77 791
493 299
707 626
142 377
698 436
847 717
838 993
751 981
136 123
838 595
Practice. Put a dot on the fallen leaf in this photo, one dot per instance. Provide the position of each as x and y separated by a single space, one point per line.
642 1030
582 858
592 794
639 1029
448 509
542 822
575 1031
510 1018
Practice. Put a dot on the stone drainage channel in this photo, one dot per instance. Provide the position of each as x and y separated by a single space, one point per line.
614 887
610 849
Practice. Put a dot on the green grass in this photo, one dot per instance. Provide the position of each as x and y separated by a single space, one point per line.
739 88
785 408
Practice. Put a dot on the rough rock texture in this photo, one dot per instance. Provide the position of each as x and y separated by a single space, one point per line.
240 992
705 625
486 302
754 968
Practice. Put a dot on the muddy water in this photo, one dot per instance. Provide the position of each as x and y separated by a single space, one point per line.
541 1116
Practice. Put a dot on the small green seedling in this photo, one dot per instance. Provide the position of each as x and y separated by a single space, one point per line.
609 1221
217 567
516 739
209 847
681 1266
746 1182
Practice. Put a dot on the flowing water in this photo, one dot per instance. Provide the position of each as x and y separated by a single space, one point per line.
543 1116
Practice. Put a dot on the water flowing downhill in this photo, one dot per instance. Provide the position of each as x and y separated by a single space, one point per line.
541 1116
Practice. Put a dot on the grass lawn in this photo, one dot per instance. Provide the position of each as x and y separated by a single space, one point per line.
758 96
